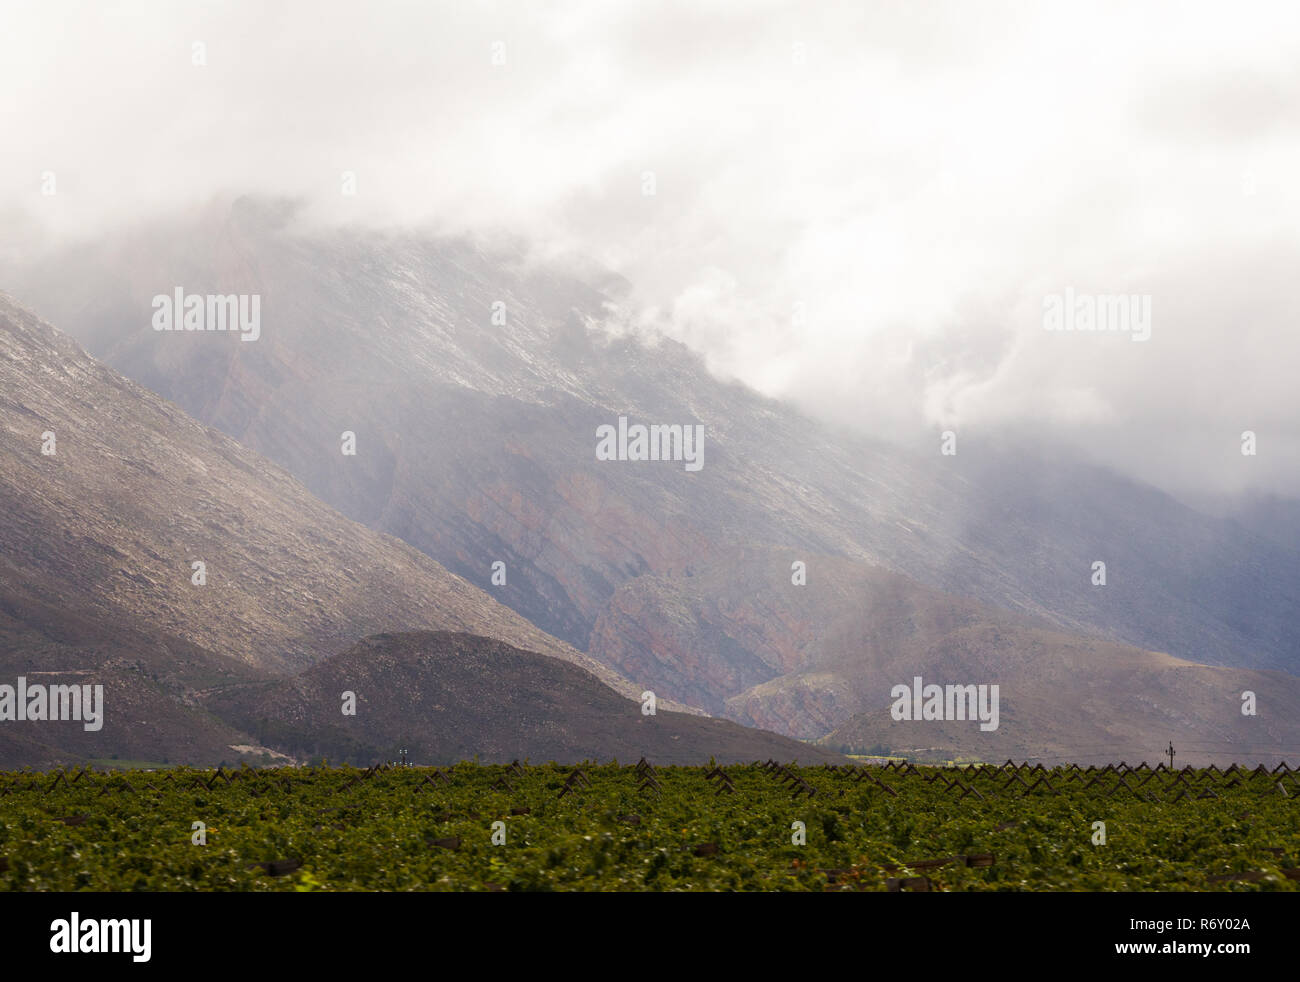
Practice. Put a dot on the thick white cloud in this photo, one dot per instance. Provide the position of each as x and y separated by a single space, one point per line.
859 207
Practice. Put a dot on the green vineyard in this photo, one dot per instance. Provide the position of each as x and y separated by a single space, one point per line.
762 826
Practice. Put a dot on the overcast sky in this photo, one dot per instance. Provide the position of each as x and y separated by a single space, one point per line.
858 206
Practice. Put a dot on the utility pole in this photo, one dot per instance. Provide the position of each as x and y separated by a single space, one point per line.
1171 755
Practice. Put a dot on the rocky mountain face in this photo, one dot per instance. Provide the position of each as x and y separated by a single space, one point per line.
108 497
447 697
475 382
111 495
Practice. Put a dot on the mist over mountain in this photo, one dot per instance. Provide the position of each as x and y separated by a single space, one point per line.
110 497
822 660
393 337
860 210
475 377
756 356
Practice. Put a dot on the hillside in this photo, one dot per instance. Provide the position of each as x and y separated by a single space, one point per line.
150 680
821 659
447 697
97 542
476 438
136 492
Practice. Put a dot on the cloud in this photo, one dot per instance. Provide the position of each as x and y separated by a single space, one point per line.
856 207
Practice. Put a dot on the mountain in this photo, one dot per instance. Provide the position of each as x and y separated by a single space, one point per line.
447 697
98 534
822 658
476 444
1090 703
1263 514
135 492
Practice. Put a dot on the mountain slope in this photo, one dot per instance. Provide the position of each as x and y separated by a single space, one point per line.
476 444
447 697
822 658
136 492
150 683
97 541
